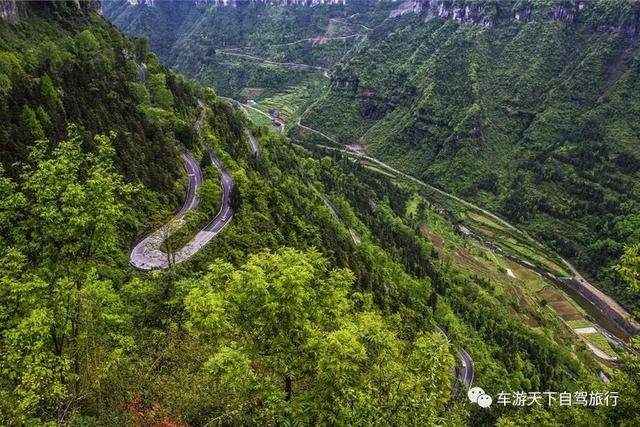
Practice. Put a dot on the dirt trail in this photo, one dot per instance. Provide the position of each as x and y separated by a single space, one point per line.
268 61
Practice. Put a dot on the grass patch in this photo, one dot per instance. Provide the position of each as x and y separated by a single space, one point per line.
579 323
484 220
290 102
601 342
257 118
557 300
412 205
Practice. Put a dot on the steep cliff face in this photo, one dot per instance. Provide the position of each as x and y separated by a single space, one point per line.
12 10
234 3
488 14
471 13
8 10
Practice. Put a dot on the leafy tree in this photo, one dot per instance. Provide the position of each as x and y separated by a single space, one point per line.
290 346
142 47
51 97
87 44
30 125
61 330
5 87
629 267
160 95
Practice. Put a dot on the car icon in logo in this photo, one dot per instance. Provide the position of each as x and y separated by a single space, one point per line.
477 395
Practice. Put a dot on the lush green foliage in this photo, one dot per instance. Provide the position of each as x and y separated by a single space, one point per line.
534 119
192 38
283 318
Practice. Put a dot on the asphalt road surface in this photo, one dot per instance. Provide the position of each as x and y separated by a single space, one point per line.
147 255
220 221
354 234
465 373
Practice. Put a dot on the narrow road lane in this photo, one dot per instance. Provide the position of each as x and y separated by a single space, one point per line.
354 234
465 372
148 255
268 61
220 221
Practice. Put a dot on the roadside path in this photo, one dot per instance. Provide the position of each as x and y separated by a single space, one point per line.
268 61
465 372
353 233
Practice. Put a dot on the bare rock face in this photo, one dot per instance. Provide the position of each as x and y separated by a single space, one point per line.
489 13
471 13
523 14
564 13
8 10
12 10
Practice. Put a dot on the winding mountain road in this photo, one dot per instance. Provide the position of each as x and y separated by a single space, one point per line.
147 255
220 221
354 234
270 62
465 372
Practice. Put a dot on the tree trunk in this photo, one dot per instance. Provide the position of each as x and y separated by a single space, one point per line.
287 387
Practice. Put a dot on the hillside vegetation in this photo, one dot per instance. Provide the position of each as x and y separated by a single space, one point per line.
284 318
535 119
193 38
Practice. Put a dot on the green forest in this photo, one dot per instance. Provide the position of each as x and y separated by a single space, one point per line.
284 318
180 34
535 120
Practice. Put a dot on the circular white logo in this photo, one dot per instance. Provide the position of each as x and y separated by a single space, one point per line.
477 395
474 393
485 401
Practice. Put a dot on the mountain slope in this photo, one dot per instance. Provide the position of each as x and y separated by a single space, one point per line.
284 317
532 117
208 40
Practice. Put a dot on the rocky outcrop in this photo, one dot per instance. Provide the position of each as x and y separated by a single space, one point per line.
471 13
489 14
8 10
522 14
234 3
485 14
564 13
13 10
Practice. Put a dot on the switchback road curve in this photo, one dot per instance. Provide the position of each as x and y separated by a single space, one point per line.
147 255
